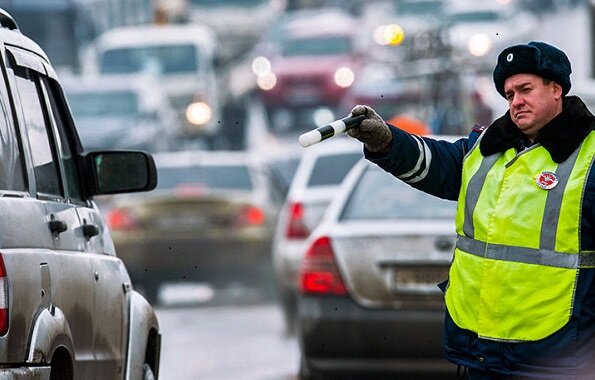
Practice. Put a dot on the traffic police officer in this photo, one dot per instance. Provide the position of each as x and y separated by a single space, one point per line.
520 296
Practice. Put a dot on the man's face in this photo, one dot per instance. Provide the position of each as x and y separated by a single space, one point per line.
532 103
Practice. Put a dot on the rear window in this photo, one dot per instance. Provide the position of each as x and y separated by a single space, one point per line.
331 169
209 177
379 195
155 60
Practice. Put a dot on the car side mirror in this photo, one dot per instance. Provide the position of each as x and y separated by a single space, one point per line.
113 172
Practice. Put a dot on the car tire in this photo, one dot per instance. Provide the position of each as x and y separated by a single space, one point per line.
148 372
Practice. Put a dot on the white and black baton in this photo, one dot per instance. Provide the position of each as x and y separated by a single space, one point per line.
326 131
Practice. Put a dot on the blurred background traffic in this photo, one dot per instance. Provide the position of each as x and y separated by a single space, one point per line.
220 90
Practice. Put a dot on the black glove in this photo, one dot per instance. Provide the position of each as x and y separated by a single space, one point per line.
372 131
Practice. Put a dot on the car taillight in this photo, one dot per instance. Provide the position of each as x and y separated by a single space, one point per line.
320 274
120 219
296 227
3 298
250 216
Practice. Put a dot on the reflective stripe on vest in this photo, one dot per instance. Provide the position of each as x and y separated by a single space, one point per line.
518 252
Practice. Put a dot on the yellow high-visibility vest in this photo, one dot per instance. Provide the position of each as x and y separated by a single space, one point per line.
518 251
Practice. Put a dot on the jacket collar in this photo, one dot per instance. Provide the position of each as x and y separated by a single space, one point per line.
560 137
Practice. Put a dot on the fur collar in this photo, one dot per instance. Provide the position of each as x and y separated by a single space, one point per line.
560 137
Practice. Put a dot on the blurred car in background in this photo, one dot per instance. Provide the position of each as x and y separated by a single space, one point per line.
237 23
311 62
404 31
478 31
121 112
211 219
183 58
369 301
321 169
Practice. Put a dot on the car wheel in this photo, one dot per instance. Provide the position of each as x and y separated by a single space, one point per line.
148 372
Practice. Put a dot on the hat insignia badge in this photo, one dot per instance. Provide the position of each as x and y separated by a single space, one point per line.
509 57
547 180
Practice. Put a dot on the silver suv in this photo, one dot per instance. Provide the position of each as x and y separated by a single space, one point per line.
67 307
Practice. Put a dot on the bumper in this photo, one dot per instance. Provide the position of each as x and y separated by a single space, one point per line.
25 373
335 334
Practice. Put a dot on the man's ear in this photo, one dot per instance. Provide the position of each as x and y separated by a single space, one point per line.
557 90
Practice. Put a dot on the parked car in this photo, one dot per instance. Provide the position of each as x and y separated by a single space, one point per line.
183 58
122 112
68 309
321 169
211 219
369 301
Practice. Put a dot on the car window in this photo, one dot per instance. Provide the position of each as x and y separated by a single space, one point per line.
317 46
379 195
59 122
103 103
331 169
44 165
11 167
156 60
209 177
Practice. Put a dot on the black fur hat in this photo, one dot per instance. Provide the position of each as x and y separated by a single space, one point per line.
537 58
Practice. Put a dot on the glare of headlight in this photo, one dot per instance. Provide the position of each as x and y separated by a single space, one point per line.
391 34
261 65
323 116
344 77
267 81
199 113
479 45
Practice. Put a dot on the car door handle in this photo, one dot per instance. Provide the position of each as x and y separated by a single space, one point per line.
90 230
57 226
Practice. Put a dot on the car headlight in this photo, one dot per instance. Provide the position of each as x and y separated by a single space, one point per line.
261 66
199 113
267 81
391 34
344 77
479 45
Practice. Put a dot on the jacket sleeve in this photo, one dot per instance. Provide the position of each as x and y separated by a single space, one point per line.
432 166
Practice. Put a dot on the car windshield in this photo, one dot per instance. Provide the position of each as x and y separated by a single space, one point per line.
477 16
335 45
415 8
226 3
231 177
331 169
379 195
103 104
156 60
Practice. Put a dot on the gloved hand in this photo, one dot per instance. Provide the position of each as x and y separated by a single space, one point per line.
372 131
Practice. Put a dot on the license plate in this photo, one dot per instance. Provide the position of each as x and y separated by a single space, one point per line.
416 279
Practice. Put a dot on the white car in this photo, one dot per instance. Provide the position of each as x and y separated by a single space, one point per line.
320 171
182 57
368 298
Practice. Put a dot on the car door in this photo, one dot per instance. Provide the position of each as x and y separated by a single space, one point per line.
66 274
111 282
